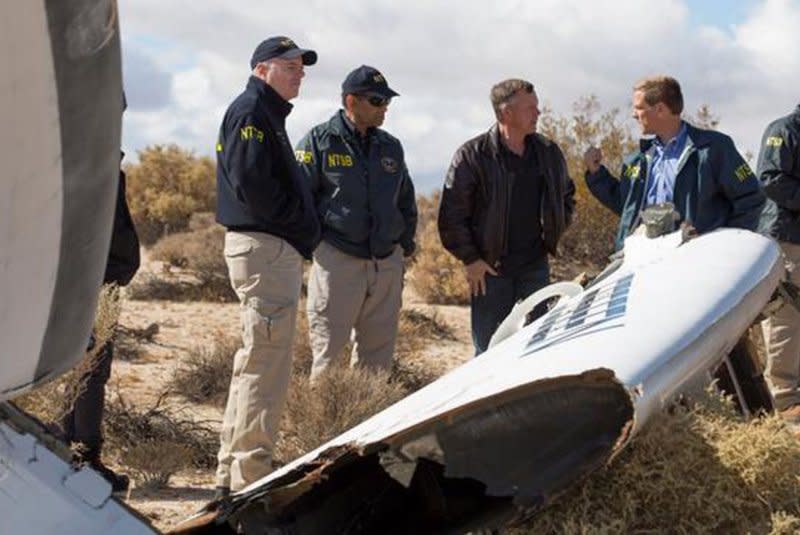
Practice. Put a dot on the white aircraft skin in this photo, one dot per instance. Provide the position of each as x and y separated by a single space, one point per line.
654 328
60 107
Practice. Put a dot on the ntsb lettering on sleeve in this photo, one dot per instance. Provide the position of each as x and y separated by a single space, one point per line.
743 172
774 141
304 156
250 132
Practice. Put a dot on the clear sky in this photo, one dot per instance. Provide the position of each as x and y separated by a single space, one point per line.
184 61
723 14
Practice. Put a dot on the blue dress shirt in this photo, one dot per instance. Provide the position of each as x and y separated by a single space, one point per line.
664 167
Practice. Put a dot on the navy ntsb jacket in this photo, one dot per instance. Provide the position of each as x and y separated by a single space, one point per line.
259 185
714 186
779 172
365 200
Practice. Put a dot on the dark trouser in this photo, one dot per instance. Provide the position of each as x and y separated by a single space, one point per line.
502 293
83 423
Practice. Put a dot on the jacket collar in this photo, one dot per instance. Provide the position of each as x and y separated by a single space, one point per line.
266 93
341 126
530 139
695 137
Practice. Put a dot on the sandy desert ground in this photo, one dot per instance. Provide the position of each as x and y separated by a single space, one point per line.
184 326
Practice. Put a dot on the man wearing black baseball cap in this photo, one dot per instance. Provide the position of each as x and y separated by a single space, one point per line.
365 200
267 208
281 47
368 81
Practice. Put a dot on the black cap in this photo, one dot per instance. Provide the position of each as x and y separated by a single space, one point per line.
367 80
281 47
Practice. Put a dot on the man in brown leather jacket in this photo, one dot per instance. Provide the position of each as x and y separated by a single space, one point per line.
507 200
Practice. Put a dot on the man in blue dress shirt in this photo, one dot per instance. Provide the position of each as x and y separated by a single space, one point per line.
699 171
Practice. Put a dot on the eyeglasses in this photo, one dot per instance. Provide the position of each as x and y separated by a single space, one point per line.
376 100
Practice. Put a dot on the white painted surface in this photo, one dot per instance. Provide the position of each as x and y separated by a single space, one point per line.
40 494
685 308
30 188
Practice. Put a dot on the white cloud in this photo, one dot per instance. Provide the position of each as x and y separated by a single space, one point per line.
444 56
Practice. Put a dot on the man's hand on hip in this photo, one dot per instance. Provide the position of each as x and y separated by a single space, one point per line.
476 276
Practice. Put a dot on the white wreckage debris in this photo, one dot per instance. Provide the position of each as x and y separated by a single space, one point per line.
497 439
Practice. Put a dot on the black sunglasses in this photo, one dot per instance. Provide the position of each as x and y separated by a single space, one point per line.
376 100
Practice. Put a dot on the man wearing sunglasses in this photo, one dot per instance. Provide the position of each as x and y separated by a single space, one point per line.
365 201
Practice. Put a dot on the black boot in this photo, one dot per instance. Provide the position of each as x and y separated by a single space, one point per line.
119 482
89 453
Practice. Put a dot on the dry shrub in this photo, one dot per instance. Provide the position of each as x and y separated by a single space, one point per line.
200 251
428 208
202 220
343 397
698 470
590 238
409 368
149 287
128 341
416 331
202 273
339 399
166 187
154 462
436 275
180 288
127 427
51 402
205 375
784 523
412 372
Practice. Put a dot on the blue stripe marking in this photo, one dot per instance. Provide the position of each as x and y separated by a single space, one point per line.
618 302
594 309
544 328
581 311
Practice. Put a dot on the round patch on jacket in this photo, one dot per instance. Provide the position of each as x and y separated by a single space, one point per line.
389 164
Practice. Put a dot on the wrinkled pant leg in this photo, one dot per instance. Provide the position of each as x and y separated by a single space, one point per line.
266 273
337 285
528 283
84 421
376 327
782 336
488 311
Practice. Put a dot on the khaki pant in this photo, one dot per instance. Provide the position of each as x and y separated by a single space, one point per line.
782 338
349 294
266 273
